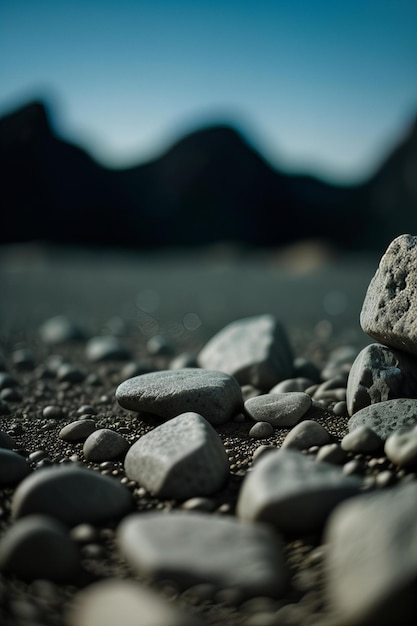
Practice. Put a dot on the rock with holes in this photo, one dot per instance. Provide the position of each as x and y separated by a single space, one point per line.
389 309
386 417
255 350
168 393
371 559
191 548
179 459
380 373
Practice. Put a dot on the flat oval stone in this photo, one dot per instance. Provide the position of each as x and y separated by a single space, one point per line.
380 373
362 440
255 350
179 459
292 492
306 434
39 546
13 467
72 495
109 602
389 309
105 444
192 548
386 417
279 409
78 430
168 393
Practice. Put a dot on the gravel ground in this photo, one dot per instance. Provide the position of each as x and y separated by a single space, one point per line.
185 297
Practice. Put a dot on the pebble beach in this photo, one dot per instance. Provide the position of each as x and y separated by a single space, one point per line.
207 438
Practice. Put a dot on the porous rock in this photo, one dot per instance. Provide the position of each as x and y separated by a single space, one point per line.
389 309
380 373
386 417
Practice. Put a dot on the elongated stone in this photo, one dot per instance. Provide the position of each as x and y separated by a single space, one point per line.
168 393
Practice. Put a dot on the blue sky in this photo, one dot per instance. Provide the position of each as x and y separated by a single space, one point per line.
323 86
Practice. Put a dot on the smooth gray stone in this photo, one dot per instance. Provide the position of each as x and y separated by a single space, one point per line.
168 393
179 459
72 495
401 447
380 373
193 547
39 546
77 431
106 348
13 467
105 444
362 440
125 602
386 417
255 350
279 409
291 492
389 309
261 430
371 559
306 434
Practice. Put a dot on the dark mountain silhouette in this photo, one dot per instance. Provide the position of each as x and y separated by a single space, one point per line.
210 186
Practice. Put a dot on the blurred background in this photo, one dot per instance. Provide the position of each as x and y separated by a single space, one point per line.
174 122
225 126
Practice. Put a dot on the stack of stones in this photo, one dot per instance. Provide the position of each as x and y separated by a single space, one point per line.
306 483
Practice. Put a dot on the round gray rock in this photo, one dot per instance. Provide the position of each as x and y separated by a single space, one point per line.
306 434
401 447
179 459
279 409
105 444
78 430
13 467
72 495
168 393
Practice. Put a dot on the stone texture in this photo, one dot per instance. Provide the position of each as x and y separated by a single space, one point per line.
254 350
179 459
362 440
386 417
110 602
192 548
378 374
389 309
371 562
293 493
72 495
306 434
39 546
279 409
168 393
